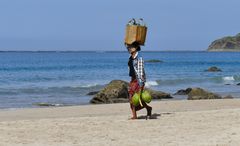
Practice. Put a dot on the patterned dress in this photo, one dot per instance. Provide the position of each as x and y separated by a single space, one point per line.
137 74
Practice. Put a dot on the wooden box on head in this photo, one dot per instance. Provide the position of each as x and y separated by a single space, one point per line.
135 32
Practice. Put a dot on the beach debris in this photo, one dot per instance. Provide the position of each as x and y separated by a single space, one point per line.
199 93
214 69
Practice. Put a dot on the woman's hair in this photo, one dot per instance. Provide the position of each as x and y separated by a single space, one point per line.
135 45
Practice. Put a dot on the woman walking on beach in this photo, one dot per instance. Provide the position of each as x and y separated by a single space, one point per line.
138 78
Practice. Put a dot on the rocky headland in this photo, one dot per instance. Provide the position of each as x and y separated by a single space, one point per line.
230 44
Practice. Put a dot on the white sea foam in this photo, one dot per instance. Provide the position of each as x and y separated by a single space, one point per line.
231 78
228 79
88 85
151 83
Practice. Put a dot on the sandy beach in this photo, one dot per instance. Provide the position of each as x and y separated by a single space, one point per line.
182 122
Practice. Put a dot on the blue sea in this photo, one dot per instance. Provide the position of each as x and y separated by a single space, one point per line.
65 78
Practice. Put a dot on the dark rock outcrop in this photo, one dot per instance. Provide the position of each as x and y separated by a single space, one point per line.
228 97
238 84
154 61
183 92
117 92
213 69
159 94
231 43
198 93
93 93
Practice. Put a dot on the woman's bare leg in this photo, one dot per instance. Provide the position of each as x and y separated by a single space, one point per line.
134 113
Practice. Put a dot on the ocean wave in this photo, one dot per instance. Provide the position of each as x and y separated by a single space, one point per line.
73 90
234 78
45 104
179 81
43 68
225 79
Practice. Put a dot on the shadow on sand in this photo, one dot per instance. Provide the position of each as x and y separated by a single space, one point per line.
154 116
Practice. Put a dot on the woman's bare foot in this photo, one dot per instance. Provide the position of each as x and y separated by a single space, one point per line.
133 118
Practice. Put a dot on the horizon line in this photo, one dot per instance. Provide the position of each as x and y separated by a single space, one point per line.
100 51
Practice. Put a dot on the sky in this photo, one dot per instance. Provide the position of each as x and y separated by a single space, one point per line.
99 25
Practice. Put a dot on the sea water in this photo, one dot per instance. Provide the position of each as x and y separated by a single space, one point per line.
65 78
